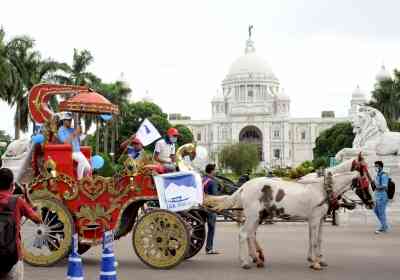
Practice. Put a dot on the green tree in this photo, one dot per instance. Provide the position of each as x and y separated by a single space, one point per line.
385 97
118 94
331 141
4 139
186 136
77 73
133 114
240 157
22 67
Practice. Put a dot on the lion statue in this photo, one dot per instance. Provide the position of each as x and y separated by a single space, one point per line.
372 134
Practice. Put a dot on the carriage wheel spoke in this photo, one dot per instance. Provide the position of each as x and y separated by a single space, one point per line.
52 243
45 218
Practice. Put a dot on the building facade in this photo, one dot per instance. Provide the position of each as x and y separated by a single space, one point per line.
253 108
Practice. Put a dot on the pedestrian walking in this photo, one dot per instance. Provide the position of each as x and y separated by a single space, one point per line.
12 209
381 197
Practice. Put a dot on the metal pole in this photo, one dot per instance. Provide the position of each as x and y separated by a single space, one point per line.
113 127
97 136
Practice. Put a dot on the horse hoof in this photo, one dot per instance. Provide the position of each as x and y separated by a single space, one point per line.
323 264
316 267
260 265
246 266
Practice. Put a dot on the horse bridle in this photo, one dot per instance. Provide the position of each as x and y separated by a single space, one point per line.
337 194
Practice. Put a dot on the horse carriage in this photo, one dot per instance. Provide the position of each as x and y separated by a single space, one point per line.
95 204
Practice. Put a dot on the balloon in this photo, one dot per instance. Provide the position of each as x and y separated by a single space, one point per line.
38 138
97 162
106 117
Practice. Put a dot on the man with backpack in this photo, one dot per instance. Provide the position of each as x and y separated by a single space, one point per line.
12 209
381 196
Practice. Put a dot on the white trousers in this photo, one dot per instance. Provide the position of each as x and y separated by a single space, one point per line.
83 164
16 273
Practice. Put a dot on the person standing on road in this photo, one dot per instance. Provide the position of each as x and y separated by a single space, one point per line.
210 188
12 209
381 197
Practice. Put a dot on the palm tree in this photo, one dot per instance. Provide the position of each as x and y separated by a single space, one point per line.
27 68
385 97
118 94
21 67
77 74
9 81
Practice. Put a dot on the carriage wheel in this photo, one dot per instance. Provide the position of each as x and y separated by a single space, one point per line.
50 242
161 239
197 229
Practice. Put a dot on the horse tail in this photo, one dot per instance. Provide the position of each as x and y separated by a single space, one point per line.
223 202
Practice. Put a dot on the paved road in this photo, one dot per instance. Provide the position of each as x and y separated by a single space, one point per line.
353 252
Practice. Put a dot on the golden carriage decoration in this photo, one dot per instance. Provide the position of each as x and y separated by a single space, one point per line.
95 204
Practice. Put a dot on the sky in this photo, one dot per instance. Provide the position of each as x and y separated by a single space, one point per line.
180 51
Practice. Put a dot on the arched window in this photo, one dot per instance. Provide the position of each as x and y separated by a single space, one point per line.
252 135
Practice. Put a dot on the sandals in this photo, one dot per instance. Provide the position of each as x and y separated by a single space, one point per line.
212 252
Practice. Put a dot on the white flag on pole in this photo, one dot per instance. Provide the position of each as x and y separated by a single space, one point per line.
147 133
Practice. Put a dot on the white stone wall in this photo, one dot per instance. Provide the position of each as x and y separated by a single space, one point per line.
295 138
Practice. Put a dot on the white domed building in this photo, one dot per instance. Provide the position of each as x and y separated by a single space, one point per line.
253 108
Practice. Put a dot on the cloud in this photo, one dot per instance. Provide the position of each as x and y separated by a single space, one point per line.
180 51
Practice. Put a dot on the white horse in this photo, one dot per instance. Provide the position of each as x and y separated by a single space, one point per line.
268 196
17 158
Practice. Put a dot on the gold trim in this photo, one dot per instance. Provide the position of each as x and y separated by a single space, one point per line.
93 188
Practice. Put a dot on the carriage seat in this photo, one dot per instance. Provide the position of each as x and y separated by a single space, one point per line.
62 155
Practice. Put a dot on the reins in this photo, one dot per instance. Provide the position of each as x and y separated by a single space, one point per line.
337 193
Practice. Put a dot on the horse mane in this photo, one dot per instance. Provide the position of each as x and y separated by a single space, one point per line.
342 167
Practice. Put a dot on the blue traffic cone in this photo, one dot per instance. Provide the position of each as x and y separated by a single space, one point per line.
108 271
75 269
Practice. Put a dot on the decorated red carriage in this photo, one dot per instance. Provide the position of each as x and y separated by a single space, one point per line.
95 204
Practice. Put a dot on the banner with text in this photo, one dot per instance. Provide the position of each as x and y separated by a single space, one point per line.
179 191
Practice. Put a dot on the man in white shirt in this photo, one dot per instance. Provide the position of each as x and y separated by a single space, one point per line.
164 151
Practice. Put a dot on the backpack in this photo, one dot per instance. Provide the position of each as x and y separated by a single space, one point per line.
8 236
391 189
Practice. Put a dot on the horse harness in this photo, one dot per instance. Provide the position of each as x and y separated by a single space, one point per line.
331 197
